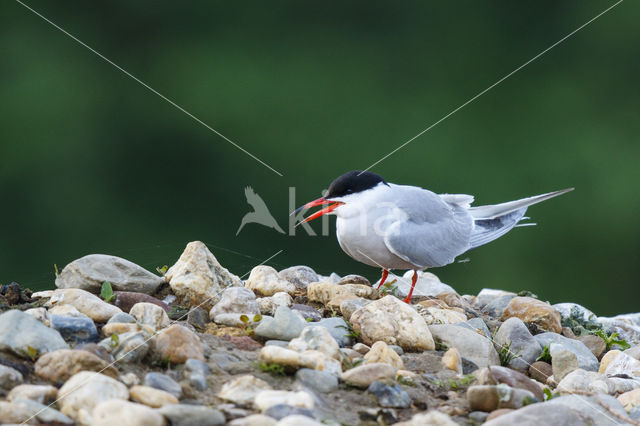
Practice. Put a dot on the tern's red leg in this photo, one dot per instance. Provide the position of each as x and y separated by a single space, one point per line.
413 284
385 274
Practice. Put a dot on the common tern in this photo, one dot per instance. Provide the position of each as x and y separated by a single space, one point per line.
394 226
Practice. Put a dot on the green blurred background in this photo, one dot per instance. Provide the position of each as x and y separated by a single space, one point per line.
92 162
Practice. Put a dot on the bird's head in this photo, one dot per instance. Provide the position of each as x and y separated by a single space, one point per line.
343 190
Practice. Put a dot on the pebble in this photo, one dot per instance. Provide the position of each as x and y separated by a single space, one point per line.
563 363
295 360
380 352
9 377
428 284
177 344
85 390
197 366
268 398
85 302
89 272
43 394
394 322
392 396
298 420
577 316
192 415
129 347
25 410
492 397
595 344
534 311
496 375
441 316
299 276
149 314
452 360
318 381
623 365
431 418
198 381
122 318
236 300
124 413
254 420
96 350
307 312
198 318
60 365
285 325
606 359
471 345
497 413
41 314
269 305
163 382
338 328
349 306
264 280
198 278
151 397
361 348
280 411
243 390
324 292
586 360
540 371
630 399
580 380
75 329
515 334
26 337
125 300
363 375
316 338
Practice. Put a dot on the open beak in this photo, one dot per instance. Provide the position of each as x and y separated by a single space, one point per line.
319 202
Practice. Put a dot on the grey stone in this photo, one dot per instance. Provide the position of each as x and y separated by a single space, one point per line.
349 306
192 415
131 346
523 345
577 317
337 327
122 317
285 325
22 334
389 396
280 411
319 381
489 295
198 381
89 272
9 377
478 417
300 276
471 345
353 279
43 413
163 382
566 410
308 313
236 300
198 318
427 284
586 359
397 349
75 329
634 413
563 363
281 343
196 366
492 397
476 324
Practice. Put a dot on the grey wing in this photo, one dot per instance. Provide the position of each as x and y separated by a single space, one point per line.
432 234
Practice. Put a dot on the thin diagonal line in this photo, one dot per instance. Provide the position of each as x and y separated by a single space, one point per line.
145 85
493 85
149 338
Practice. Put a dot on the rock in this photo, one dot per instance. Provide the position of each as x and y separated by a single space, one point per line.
316 338
96 350
584 381
299 276
149 314
89 272
269 305
630 399
280 411
496 375
318 381
563 363
428 284
293 360
349 306
198 318
236 300
491 397
85 390
363 375
13 413
623 366
285 325
339 329
163 382
627 325
254 420
197 366
26 337
9 377
126 299
124 413
534 311
128 347
577 317
452 360
268 398
394 322
566 410
75 330
490 295
470 344
243 390
27 411
606 360
60 365
122 328
381 353
389 396
354 279
478 325
192 415
85 302
433 315
540 371
298 420
151 397
361 348
513 333
324 291
42 394
265 281
307 312
177 344
586 360
431 418
595 344
497 413
65 311
122 318
41 314
198 278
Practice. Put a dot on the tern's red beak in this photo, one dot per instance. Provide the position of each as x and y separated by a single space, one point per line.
319 202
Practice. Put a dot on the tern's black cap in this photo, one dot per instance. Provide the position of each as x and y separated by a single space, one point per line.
352 182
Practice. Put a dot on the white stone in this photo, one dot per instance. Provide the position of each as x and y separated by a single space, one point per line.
265 281
381 352
86 389
243 390
236 300
316 338
37 393
298 420
268 398
85 302
428 284
430 418
41 314
308 359
254 420
269 305
124 413
149 314
434 315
